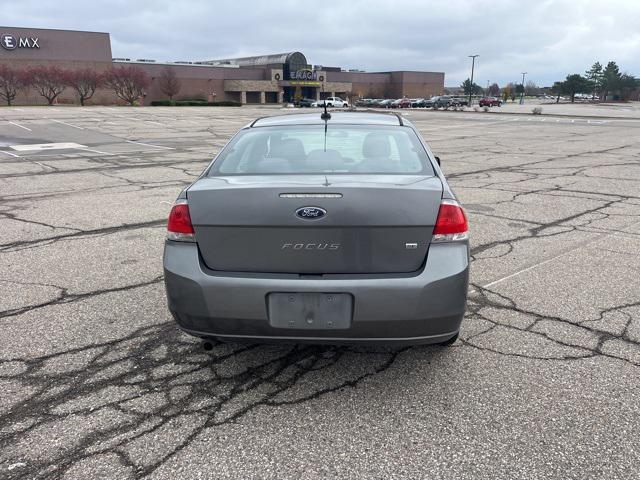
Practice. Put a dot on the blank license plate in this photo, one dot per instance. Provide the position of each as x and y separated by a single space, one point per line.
311 311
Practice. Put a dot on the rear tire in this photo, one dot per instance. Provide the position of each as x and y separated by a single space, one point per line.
451 341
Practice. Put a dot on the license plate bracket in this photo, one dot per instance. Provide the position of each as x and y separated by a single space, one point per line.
310 310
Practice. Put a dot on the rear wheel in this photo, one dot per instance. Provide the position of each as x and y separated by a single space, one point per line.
449 342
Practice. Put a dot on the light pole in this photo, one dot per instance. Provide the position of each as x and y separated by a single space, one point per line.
522 94
473 64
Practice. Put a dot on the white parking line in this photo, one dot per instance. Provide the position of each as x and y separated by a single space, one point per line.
21 126
570 250
9 153
65 123
500 280
97 151
43 165
150 145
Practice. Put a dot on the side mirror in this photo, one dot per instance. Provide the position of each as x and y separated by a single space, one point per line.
438 160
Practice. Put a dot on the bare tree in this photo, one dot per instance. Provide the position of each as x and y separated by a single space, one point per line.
49 82
128 83
85 82
531 88
169 83
11 82
511 87
494 90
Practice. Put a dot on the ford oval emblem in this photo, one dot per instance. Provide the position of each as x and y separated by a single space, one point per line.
311 213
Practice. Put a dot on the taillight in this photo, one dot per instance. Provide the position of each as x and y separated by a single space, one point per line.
451 224
179 226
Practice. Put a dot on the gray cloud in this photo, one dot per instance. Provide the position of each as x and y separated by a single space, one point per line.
548 39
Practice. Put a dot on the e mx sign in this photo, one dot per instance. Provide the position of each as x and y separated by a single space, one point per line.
9 42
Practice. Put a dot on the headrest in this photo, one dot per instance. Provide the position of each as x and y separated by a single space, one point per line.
290 148
319 160
273 165
376 145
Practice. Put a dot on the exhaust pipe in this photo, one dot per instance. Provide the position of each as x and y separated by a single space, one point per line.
208 346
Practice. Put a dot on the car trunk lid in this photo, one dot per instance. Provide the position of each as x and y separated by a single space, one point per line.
373 223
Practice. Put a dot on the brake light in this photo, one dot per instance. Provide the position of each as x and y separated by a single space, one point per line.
179 227
451 224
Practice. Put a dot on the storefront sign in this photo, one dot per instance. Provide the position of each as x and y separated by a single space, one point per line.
9 42
303 83
308 75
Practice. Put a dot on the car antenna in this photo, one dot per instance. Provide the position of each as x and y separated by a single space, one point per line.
326 115
325 134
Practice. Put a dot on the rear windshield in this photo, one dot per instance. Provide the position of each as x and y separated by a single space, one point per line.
310 149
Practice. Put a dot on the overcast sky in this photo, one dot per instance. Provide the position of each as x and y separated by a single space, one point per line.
548 39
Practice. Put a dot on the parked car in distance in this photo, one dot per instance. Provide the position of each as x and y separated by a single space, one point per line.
305 102
490 102
461 101
401 103
364 102
358 237
385 103
430 102
443 101
336 102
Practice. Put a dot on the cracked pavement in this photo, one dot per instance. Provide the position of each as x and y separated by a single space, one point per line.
97 382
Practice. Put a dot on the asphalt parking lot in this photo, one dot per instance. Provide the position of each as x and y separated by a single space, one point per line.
97 382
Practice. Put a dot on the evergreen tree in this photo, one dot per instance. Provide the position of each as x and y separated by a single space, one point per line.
610 79
470 89
594 75
573 84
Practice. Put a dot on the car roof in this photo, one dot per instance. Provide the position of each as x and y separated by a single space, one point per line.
340 118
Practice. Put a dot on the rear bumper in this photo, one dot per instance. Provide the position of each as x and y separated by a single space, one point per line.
425 308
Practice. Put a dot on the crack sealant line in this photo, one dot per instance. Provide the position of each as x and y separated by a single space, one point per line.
555 257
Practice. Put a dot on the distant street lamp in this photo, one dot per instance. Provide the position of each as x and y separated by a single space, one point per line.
473 63
522 94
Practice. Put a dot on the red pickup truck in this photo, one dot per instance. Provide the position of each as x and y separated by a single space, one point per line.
490 102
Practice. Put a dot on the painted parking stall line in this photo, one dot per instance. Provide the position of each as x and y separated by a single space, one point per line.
21 126
65 123
150 145
10 153
96 151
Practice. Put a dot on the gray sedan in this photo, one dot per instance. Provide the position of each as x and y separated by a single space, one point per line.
333 228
